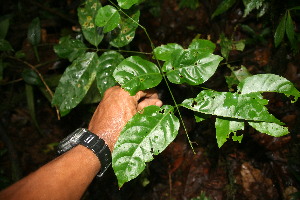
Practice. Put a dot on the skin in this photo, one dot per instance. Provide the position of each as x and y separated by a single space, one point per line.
68 176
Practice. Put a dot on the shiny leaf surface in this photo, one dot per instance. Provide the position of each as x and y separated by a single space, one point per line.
202 46
69 48
268 83
135 74
164 52
126 4
108 62
190 66
34 32
272 129
146 134
107 17
76 80
225 127
125 32
233 105
87 14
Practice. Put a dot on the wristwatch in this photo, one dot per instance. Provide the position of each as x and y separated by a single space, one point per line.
82 136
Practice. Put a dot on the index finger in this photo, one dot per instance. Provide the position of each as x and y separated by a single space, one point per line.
150 94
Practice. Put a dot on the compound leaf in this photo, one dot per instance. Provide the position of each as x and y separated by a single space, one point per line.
164 52
280 30
76 80
108 17
125 32
108 62
86 14
233 105
223 7
224 127
135 74
146 134
126 4
272 129
251 5
268 83
202 46
190 66
69 48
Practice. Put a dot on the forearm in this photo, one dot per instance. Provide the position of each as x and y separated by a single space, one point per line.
66 177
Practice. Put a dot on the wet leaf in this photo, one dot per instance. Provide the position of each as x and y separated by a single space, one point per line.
202 46
251 5
5 45
164 52
280 30
34 32
135 74
108 62
69 48
290 32
233 105
272 129
225 127
125 32
107 17
87 14
146 134
223 7
190 66
268 83
76 80
126 4
31 77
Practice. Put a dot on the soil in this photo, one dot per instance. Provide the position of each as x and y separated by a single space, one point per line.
261 167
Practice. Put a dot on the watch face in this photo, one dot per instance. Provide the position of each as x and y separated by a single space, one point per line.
70 141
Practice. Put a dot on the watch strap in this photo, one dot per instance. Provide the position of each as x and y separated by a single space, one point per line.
100 149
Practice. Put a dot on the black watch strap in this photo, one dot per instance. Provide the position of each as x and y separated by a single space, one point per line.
98 146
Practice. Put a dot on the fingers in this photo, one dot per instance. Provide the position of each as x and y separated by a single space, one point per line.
148 102
150 94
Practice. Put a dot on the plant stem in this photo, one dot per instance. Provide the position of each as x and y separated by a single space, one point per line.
163 75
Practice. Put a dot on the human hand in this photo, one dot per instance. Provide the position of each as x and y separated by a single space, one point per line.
116 109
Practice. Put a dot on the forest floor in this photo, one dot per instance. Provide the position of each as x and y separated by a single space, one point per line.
260 167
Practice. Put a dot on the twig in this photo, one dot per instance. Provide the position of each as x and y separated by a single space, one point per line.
41 77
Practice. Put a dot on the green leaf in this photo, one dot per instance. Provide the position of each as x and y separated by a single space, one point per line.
290 32
145 135
223 7
86 14
108 62
69 48
34 32
5 45
190 66
75 82
164 52
270 128
233 105
251 5
4 25
108 17
237 75
126 4
125 32
135 74
199 117
202 46
226 46
224 127
268 83
280 30
31 77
